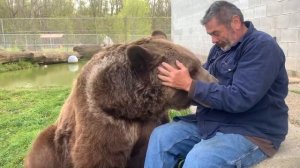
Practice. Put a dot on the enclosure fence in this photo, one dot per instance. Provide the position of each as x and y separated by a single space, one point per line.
49 33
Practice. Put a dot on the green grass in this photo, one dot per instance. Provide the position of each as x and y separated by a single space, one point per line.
295 91
14 49
173 113
24 113
16 66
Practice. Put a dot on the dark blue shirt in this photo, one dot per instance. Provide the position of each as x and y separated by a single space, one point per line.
249 97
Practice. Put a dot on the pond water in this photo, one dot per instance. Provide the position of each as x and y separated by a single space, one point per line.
45 75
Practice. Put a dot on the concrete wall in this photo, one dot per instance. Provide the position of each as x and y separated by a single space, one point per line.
279 18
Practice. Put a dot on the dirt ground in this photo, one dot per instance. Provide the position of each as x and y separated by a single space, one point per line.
288 155
293 102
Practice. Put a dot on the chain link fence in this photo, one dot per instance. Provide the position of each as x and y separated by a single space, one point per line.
48 33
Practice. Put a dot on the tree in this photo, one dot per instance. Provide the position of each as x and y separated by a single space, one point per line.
99 8
16 8
160 11
61 8
160 8
36 8
115 6
121 19
4 11
133 19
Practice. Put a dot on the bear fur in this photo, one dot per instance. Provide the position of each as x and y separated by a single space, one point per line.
116 102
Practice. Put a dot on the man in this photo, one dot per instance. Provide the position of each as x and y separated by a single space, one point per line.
159 34
247 116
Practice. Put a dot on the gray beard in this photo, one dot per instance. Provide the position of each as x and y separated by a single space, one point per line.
226 48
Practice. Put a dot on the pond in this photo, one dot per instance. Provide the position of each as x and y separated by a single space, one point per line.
45 75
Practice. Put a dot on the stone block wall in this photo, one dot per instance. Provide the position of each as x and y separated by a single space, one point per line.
279 18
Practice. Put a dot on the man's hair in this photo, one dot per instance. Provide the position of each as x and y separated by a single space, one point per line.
223 11
158 33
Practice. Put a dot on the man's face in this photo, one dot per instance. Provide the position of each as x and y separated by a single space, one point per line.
221 35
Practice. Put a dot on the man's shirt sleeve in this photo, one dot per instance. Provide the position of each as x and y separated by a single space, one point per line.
256 70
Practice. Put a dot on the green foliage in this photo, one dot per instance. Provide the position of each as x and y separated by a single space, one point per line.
23 114
78 8
161 8
4 11
82 8
135 8
295 91
14 49
16 66
40 8
121 20
61 8
174 113
133 19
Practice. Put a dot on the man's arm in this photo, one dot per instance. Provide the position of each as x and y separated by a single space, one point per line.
256 71
178 78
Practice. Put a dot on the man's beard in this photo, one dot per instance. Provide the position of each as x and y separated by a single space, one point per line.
225 46
228 42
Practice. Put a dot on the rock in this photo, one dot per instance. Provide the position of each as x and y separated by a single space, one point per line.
72 59
87 51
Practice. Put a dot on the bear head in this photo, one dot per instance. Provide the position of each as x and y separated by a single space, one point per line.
122 81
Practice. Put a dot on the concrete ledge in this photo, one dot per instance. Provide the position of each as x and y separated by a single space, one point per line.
288 155
294 80
292 73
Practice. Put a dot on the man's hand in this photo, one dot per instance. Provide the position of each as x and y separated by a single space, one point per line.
178 78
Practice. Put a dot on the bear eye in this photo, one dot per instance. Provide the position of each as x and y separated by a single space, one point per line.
193 72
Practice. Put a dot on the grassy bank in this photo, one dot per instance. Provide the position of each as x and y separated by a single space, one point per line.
23 114
16 66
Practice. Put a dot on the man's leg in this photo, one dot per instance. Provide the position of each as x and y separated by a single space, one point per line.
224 151
170 141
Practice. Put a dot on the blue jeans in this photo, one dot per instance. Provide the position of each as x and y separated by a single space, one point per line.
171 141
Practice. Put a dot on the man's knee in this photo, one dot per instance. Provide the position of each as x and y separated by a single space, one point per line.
199 157
162 131
172 131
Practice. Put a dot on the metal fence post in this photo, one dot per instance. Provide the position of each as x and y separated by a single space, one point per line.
125 28
3 36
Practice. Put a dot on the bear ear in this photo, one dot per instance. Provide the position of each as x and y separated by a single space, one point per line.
140 59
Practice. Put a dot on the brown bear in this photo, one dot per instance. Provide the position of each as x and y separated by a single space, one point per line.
115 103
